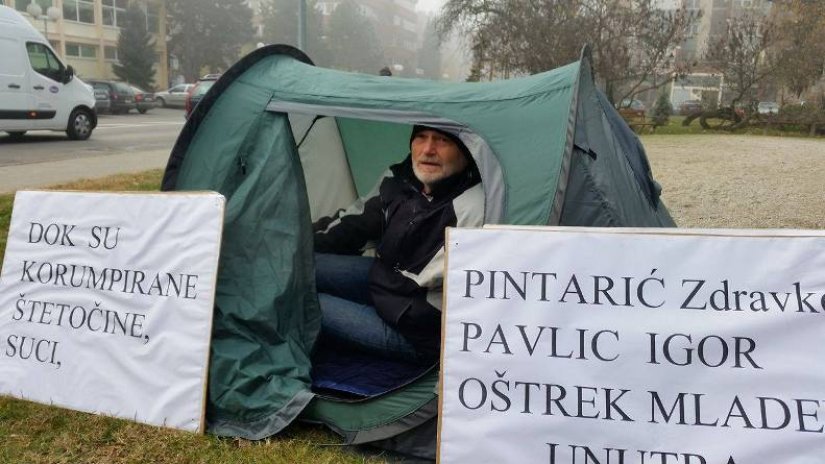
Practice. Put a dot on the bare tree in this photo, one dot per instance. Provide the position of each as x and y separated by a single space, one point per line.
740 54
632 40
799 47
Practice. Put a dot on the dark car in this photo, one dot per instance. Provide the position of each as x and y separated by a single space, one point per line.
102 102
199 90
686 108
121 96
144 101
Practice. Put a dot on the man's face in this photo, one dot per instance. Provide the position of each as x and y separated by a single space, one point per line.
435 157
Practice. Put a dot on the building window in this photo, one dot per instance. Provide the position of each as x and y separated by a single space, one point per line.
20 5
110 53
152 18
82 11
694 30
77 50
409 26
113 12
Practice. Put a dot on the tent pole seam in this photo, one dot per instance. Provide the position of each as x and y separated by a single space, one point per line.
564 172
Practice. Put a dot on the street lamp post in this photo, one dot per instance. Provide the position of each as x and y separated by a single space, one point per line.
302 25
52 13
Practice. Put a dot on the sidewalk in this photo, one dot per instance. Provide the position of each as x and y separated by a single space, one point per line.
39 175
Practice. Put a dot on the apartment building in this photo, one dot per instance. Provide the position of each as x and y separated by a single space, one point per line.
705 83
85 32
714 16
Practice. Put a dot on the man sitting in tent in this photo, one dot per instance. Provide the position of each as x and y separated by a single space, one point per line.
390 305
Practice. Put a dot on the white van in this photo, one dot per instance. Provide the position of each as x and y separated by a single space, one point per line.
37 91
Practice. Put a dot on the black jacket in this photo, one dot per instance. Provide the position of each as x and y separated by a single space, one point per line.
408 229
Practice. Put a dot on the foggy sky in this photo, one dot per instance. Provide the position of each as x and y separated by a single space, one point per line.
429 5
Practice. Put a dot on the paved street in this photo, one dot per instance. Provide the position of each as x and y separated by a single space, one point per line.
121 143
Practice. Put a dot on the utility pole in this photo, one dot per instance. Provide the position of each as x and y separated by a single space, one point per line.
302 25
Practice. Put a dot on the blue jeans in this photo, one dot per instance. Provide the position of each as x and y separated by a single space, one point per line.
348 314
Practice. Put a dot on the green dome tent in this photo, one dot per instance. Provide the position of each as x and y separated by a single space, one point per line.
287 142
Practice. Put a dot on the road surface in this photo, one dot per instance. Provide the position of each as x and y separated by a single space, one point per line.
120 143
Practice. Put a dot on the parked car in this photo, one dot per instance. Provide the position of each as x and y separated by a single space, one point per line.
689 107
768 108
102 102
174 96
199 90
121 96
632 109
144 101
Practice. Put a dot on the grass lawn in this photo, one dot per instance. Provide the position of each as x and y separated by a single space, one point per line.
37 434
33 433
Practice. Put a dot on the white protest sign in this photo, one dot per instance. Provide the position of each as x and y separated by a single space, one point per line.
633 347
106 303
